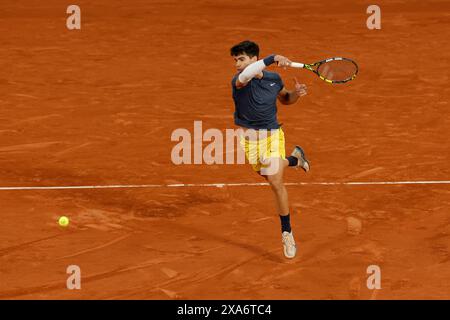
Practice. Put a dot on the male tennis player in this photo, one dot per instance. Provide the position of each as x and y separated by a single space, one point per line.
255 92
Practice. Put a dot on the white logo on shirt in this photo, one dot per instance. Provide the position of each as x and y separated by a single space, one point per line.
272 84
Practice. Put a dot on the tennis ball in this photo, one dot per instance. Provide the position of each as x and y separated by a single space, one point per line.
63 221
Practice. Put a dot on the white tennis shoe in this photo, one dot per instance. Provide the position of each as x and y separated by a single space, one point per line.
288 245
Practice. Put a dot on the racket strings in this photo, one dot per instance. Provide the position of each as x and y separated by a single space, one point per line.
337 70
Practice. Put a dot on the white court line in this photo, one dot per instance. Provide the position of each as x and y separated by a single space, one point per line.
221 185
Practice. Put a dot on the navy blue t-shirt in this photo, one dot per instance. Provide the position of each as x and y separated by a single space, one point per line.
255 104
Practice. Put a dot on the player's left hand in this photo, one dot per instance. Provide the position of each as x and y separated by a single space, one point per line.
300 88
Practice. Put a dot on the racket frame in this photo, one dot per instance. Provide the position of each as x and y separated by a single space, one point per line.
310 67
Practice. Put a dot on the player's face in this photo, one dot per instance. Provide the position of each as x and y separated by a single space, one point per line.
243 60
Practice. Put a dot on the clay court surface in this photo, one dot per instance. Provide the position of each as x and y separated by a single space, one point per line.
98 106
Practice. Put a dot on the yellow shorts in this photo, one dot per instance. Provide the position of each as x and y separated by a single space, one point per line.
258 151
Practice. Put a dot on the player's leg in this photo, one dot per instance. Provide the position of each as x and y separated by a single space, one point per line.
276 182
274 162
267 156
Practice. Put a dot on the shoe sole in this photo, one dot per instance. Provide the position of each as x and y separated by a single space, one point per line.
289 257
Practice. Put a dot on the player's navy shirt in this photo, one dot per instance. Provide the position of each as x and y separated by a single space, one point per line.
255 104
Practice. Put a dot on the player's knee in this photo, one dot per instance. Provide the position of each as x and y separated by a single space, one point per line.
276 182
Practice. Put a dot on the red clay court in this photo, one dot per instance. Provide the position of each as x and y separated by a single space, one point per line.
97 106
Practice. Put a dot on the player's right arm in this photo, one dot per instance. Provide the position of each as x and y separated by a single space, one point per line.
257 67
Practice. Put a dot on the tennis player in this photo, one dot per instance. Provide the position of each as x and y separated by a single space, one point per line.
255 93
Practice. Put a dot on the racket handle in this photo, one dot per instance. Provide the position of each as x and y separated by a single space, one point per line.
297 65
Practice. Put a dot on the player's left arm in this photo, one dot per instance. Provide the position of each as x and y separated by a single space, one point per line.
291 96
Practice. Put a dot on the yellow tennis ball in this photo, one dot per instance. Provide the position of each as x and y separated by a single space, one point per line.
63 221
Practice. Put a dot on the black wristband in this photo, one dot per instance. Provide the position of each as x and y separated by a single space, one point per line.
269 60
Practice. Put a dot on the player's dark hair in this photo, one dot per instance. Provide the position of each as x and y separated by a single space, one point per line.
245 47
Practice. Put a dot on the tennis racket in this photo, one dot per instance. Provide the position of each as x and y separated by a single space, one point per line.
332 70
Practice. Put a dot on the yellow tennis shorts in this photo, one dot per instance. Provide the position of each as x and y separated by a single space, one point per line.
267 144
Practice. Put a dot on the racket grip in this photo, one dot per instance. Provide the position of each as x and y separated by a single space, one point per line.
297 65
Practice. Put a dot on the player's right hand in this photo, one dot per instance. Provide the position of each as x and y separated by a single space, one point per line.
282 61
